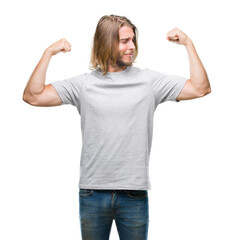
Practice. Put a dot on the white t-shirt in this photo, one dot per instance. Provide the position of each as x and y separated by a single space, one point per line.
117 112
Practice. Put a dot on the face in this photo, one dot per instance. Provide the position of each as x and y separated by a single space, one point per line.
126 46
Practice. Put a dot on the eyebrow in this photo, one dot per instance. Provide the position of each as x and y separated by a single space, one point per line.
127 38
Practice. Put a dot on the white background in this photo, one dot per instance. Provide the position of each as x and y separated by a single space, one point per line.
191 163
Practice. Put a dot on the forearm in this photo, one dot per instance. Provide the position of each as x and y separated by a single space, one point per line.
198 75
36 82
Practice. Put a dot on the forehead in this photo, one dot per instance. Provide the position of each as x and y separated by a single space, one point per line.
125 32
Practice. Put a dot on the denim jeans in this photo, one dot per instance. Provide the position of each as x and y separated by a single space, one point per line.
98 209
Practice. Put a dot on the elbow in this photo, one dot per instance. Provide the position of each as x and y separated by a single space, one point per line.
24 98
28 99
208 90
205 92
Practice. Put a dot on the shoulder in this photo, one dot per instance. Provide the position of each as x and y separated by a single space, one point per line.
151 75
78 78
148 71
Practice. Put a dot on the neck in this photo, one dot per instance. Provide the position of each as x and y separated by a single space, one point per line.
116 69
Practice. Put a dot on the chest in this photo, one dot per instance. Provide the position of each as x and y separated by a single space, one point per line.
105 99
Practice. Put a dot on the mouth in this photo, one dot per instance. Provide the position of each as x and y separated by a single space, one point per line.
130 55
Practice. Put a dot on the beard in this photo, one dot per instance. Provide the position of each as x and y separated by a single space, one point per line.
121 63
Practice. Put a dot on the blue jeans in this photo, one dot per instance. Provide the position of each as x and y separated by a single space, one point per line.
129 209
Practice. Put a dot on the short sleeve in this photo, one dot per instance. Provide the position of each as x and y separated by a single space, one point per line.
166 87
69 90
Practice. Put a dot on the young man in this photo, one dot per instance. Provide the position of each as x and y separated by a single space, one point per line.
116 102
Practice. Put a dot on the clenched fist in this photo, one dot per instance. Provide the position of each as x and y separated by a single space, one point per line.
177 36
60 46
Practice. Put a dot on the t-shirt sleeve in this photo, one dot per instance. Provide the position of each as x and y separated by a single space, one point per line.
69 90
166 87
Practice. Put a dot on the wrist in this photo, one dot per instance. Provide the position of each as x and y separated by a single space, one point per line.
188 43
48 52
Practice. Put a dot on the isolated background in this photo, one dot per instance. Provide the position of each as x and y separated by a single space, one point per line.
191 163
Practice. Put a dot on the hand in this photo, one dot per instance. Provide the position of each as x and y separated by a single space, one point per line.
177 36
60 46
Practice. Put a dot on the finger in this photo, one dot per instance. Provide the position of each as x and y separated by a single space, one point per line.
68 46
173 35
173 38
174 32
68 43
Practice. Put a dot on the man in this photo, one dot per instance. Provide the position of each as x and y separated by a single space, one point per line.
116 102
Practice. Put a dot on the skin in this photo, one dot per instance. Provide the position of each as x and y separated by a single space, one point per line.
197 86
37 93
126 49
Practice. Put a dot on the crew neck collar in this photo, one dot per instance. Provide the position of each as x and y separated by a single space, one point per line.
114 76
108 74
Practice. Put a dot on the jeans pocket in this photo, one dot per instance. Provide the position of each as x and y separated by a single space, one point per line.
137 194
85 192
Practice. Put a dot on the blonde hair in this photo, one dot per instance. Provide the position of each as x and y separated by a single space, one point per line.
106 42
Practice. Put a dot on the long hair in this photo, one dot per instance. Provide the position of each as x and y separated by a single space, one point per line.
105 47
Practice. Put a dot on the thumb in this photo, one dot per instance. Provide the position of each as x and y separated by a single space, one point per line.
168 38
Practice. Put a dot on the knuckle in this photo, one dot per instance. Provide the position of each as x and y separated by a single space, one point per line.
63 40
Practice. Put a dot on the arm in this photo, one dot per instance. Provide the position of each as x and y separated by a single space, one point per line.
36 92
198 85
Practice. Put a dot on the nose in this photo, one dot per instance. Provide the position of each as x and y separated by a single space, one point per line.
131 45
